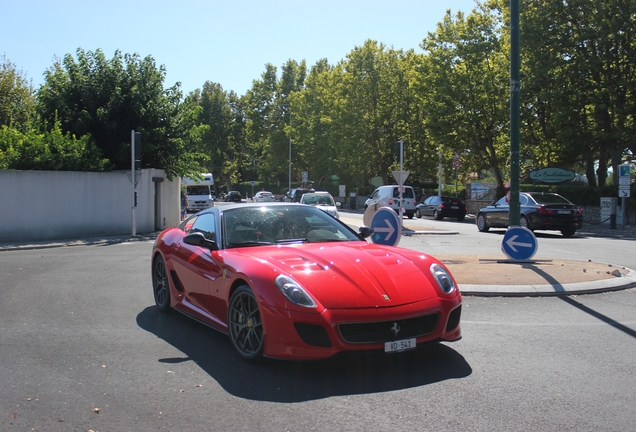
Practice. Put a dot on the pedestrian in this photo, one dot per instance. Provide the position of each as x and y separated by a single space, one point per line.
184 205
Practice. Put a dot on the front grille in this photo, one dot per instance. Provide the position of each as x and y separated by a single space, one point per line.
313 334
385 331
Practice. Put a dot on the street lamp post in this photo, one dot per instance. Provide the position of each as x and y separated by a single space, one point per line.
289 151
285 106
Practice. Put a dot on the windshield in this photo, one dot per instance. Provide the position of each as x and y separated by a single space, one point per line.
321 199
198 190
268 225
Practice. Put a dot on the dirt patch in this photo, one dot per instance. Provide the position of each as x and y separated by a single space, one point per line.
496 270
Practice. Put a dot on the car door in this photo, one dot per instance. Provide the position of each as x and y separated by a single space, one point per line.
431 203
498 216
196 268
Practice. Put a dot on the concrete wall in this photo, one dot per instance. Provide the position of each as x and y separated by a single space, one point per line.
46 205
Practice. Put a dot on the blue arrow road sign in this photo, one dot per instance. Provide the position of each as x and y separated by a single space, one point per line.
387 229
519 243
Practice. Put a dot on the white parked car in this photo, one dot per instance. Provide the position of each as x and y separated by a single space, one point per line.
263 196
323 200
389 195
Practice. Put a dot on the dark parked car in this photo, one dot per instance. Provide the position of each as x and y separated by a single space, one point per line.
233 196
295 195
539 211
440 207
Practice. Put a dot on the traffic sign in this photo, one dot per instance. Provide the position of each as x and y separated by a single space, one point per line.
519 243
457 162
401 176
387 229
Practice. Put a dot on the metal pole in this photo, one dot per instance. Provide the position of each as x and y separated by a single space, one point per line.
401 180
439 176
514 217
132 181
290 119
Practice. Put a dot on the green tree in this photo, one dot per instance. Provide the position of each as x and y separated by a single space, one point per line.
581 68
224 138
17 100
271 117
51 150
108 98
464 92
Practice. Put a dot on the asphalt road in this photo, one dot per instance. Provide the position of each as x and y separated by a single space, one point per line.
83 348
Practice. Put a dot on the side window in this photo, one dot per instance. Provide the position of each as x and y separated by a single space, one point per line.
375 194
502 201
523 200
205 224
186 225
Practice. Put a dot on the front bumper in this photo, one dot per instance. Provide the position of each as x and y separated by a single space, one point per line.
298 335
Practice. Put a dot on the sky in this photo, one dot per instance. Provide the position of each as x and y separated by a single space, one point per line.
226 42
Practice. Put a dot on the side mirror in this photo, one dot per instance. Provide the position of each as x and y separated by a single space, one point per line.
198 239
366 231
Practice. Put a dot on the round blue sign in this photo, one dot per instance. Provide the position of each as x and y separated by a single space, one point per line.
387 229
519 243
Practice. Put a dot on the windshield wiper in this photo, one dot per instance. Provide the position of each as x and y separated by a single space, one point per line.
248 243
293 240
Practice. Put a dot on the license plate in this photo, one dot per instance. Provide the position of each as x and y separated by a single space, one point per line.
400 345
563 212
455 207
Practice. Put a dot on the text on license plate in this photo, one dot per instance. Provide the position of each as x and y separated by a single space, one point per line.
400 345
563 211
455 207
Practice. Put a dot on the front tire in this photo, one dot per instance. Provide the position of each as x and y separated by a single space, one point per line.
482 225
161 285
245 325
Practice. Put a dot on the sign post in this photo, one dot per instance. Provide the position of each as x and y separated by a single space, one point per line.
623 189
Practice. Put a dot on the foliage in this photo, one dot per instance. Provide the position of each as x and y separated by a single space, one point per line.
17 101
461 89
107 99
51 151
223 137
580 81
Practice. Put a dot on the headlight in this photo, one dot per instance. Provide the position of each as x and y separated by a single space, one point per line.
444 280
294 292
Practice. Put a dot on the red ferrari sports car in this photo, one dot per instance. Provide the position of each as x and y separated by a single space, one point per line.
289 281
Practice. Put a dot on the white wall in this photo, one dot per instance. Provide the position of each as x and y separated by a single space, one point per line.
46 205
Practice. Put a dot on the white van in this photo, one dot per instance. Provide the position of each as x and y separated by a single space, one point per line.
200 193
389 195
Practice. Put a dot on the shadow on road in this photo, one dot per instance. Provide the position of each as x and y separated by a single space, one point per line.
287 381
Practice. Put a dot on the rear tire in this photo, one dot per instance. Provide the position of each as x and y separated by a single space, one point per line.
418 214
461 218
568 232
523 221
482 225
437 215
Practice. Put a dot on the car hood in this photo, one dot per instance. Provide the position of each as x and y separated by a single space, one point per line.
353 274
